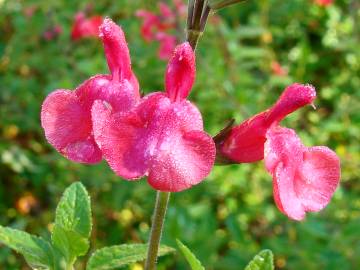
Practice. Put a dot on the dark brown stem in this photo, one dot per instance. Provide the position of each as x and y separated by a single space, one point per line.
198 13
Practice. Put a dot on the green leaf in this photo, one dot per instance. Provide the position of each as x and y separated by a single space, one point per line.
117 256
195 264
73 223
264 260
73 212
37 252
69 243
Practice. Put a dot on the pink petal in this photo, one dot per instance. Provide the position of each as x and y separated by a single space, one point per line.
318 177
284 194
116 50
282 145
76 28
67 127
85 27
150 22
181 8
167 45
121 95
85 151
66 115
166 11
157 135
283 155
180 73
294 97
277 69
180 149
324 3
119 138
245 142
183 162
304 178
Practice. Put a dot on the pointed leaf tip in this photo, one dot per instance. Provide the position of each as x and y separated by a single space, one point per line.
72 223
194 263
264 260
180 73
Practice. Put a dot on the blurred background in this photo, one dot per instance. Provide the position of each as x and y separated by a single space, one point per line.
246 57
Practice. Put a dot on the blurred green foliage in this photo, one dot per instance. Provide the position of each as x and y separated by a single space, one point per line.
230 216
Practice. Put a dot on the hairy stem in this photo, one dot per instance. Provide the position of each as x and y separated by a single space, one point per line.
162 199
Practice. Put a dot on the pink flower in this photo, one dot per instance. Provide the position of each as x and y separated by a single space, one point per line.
163 136
30 10
52 33
167 45
66 115
165 11
304 178
324 3
150 23
277 69
85 27
245 142
180 7
157 27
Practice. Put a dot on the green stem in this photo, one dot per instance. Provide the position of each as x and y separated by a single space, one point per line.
162 199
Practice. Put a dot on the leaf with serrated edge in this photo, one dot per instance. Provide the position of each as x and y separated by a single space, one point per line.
118 256
264 260
73 212
73 223
37 252
69 243
194 263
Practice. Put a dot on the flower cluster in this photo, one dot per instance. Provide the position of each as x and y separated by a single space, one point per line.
158 27
161 135
66 115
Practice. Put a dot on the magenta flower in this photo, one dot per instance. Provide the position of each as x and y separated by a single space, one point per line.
159 27
85 27
277 69
167 45
304 178
245 143
163 136
66 115
324 3
52 32
153 24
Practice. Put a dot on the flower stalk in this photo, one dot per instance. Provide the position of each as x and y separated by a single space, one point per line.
198 13
162 199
